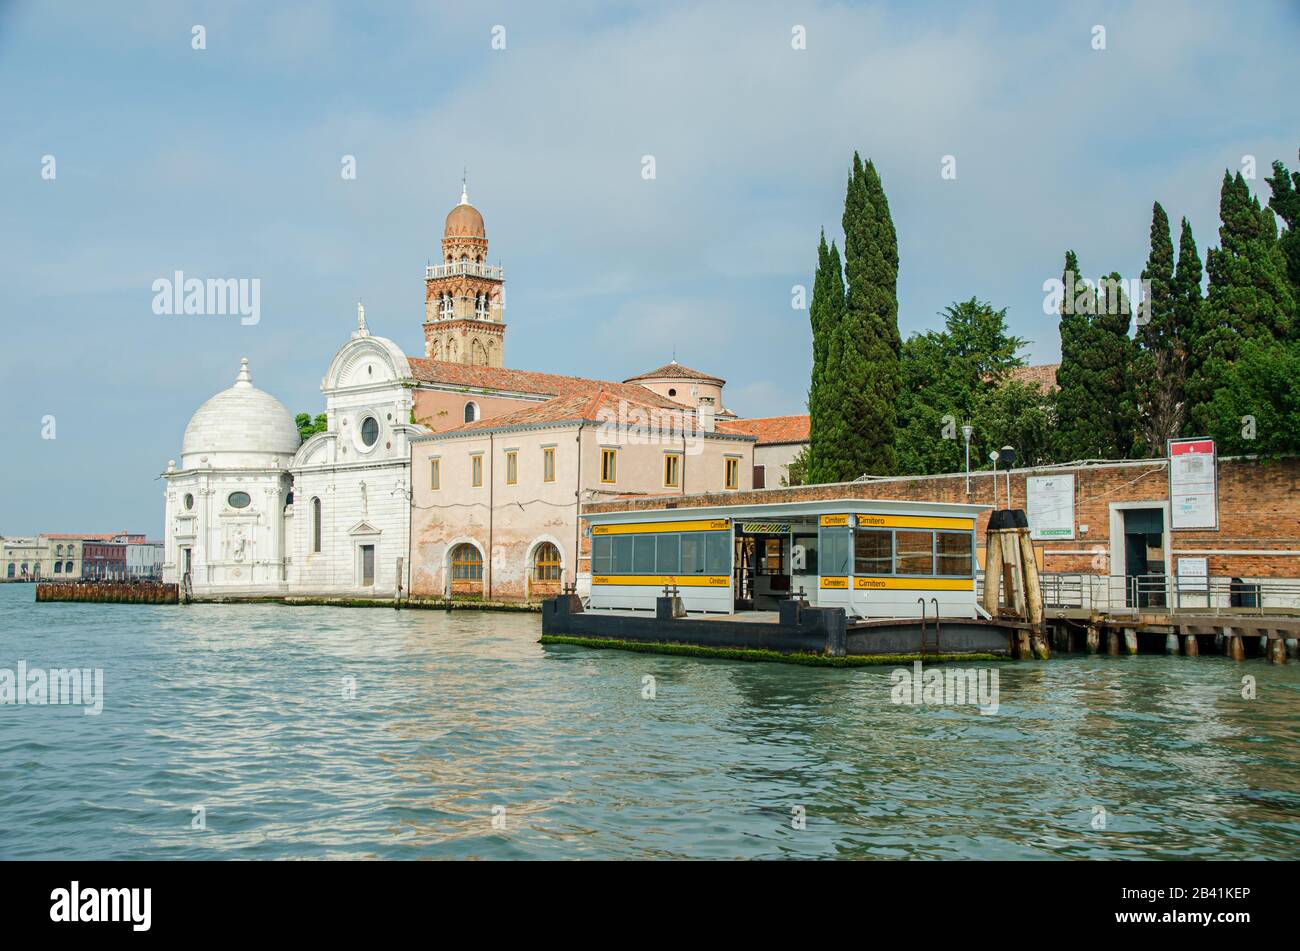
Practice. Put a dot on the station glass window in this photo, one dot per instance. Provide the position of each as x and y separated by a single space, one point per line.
953 551
915 552
668 559
873 552
666 553
643 559
835 555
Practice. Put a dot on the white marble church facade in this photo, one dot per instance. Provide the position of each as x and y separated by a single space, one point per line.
253 510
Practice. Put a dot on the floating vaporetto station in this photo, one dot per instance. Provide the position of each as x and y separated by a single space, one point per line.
834 577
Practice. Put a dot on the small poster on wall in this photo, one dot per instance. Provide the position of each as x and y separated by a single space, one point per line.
1049 506
1193 484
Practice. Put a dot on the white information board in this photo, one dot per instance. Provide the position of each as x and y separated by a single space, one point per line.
1049 506
1193 574
1193 484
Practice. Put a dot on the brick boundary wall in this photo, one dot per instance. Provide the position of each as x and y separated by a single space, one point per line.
1259 509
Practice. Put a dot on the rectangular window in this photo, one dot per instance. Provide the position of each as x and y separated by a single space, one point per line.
915 553
435 475
760 477
548 464
668 554
512 467
718 553
733 473
602 555
835 554
609 465
873 553
692 553
623 554
953 553
643 559
672 470
476 470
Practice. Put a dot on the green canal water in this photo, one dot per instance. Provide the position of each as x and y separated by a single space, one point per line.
460 718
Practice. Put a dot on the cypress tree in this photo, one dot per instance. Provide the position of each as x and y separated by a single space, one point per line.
1286 203
1158 360
1095 406
868 378
1188 301
1250 297
1075 396
826 422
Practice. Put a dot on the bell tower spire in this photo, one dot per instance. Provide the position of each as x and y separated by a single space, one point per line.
464 296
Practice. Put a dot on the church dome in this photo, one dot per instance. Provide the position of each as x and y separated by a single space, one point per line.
239 426
464 221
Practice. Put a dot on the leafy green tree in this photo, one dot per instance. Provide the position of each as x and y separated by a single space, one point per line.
307 427
1257 408
1015 413
1159 367
949 378
1249 298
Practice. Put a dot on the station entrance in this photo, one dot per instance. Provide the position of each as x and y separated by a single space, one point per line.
774 561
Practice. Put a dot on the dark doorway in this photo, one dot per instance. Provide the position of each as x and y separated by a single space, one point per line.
1144 558
367 565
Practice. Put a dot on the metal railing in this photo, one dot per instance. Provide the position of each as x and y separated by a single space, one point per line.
1160 593
470 268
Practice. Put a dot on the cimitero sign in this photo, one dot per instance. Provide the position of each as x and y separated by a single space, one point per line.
1193 484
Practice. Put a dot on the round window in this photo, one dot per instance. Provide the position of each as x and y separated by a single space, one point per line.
369 431
238 500
189 501
672 392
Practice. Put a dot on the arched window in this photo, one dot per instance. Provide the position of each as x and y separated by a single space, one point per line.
67 568
315 524
60 550
58 567
481 306
466 563
546 563
471 412
12 569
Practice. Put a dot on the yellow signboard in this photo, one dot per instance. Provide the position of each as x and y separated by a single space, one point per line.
916 521
831 521
914 584
649 528
659 581
841 584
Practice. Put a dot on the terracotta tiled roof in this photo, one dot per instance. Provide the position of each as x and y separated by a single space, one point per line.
1043 375
528 381
676 371
599 407
770 430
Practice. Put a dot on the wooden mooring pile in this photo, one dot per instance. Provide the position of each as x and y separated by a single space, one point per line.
108 592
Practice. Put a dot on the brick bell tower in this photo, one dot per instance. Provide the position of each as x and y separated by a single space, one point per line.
463 296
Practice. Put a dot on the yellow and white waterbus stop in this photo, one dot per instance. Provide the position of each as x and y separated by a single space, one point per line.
874 558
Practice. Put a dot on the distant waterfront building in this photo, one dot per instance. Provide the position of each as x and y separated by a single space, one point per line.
64 556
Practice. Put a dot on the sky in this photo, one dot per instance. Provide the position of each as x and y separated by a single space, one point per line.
227 161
